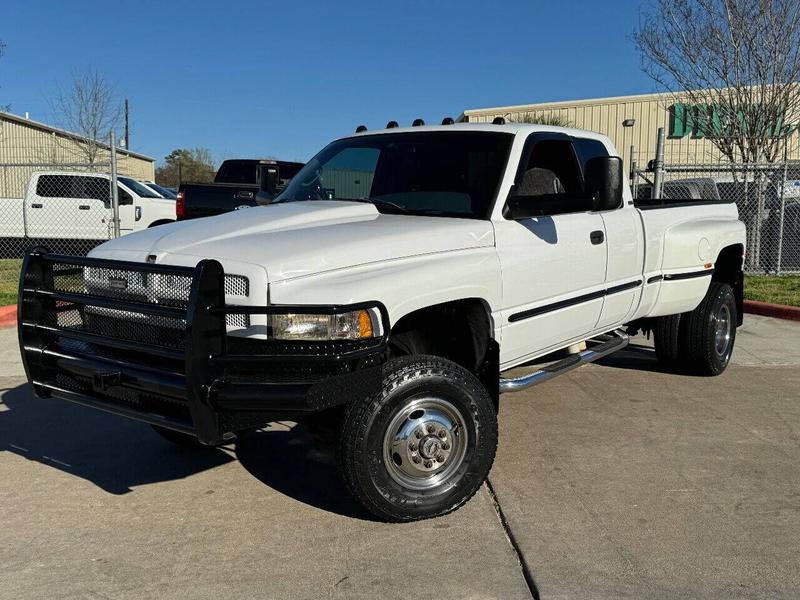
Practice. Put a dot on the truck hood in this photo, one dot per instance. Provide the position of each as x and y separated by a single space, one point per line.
294 239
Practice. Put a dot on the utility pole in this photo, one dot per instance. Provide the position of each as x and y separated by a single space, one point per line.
127 138
114 194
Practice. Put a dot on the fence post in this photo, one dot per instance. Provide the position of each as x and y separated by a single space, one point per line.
658 176
783 205
114 194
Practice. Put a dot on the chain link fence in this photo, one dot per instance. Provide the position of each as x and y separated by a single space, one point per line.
767 196
66 207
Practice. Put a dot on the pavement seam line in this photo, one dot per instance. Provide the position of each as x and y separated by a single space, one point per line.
512 541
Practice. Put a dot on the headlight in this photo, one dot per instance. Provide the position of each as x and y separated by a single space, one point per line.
354 325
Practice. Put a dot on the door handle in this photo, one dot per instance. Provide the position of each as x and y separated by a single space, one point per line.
36 206
138 213
83 207
243 195
597 237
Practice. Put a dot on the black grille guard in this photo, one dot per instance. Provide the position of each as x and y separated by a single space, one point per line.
174 364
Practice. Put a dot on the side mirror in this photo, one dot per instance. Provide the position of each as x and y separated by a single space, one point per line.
603 177
268 178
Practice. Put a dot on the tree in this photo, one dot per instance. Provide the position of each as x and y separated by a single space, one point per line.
737 62
89 108
184 165
541 119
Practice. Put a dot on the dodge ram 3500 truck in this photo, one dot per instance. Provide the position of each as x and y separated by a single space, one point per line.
389 290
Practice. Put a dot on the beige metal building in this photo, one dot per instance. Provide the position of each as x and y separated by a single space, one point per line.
27 146
630 121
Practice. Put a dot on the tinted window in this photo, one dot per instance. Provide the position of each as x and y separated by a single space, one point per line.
551 180
162 190
54 186
73 186
237 171
587 149
434 173
139 189
95 188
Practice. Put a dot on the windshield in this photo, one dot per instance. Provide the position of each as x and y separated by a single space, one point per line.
438 173
139 189
162 190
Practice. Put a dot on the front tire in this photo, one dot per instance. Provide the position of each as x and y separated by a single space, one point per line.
710 331
423 445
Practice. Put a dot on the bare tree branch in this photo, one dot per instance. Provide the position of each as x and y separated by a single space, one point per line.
89 108
737 62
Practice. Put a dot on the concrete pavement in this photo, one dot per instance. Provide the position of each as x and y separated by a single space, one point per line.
617 480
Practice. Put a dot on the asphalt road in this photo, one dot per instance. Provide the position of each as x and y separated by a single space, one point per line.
617 480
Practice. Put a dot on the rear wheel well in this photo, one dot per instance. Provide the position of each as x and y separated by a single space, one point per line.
728 269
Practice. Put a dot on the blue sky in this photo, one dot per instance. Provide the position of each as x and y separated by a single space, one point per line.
252 79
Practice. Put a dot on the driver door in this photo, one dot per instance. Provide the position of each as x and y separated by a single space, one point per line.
553 264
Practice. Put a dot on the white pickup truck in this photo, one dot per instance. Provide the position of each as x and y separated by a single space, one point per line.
67 205
388 291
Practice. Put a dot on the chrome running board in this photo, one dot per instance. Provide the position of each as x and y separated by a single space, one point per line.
603 346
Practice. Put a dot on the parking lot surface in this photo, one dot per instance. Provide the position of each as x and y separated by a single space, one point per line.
617 480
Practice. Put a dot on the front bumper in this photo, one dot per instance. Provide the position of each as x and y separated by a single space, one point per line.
172 363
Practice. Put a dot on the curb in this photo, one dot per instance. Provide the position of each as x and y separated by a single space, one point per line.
8 315
778 311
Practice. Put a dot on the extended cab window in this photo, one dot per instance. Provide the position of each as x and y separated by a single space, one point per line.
73 186
551 180
430 173
54 186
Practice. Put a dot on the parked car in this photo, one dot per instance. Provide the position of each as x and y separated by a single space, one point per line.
696 188
239 183
161 190
392 314
61 205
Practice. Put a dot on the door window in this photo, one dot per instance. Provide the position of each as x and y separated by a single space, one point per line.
123 197
588 149
551 180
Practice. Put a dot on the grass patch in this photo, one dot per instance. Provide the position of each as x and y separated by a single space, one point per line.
784 289
9 280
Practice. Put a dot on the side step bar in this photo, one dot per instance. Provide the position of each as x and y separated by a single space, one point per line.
605 345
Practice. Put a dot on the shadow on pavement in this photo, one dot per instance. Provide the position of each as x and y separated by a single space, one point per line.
113 453
296 464
636 357
117 454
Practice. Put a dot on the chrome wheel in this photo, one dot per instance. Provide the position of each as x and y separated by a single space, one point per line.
425 443
722 330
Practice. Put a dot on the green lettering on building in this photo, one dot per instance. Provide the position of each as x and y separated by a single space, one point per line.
708 120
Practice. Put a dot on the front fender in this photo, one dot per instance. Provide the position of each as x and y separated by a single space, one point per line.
403 285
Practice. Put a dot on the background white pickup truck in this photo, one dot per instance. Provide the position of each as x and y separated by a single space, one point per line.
385 293
77 206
